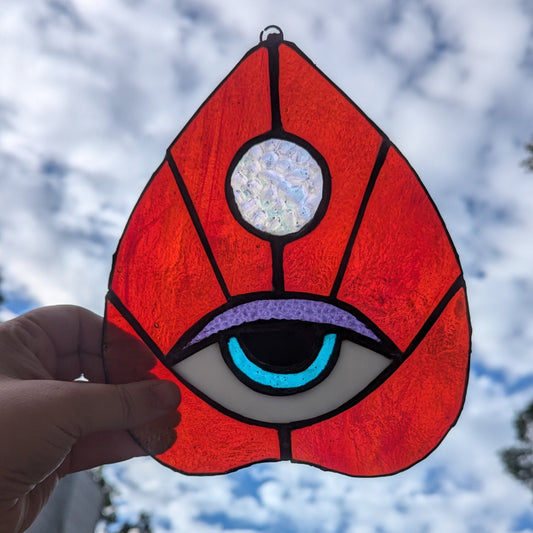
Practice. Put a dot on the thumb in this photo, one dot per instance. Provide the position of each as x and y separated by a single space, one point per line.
42 420
94 407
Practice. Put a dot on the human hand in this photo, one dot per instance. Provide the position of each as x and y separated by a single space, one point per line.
50 425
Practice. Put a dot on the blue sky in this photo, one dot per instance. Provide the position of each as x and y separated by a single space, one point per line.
92 93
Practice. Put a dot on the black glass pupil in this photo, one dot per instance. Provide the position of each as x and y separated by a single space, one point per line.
282 345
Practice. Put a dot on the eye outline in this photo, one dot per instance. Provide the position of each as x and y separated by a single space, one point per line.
222 389
383 347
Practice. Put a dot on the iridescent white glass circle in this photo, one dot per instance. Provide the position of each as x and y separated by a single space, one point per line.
277 186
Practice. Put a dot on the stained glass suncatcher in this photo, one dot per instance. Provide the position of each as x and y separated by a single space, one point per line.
287 269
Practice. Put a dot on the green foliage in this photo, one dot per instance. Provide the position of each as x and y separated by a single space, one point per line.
141 526
2 299
518 460
109 522
528 161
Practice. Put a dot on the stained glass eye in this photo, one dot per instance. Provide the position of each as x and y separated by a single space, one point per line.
276 369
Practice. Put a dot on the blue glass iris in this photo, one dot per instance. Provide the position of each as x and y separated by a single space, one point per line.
282 380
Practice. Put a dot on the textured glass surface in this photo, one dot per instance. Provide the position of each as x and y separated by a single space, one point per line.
211 255
286 309
277 186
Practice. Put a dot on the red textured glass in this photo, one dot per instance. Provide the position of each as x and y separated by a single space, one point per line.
286 268
313 108
401 264
161 241
203 153
193 441
406 417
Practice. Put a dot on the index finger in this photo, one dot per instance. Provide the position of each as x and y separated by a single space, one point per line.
60 342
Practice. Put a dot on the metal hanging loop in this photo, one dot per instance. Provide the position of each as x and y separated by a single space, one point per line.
271 32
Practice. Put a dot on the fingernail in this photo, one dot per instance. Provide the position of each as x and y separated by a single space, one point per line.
166 395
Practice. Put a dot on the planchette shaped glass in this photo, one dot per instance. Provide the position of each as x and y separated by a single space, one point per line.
287 269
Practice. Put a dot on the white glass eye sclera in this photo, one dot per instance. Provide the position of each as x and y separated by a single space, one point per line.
277 186
355 369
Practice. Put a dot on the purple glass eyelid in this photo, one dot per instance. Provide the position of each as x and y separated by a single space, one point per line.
286 309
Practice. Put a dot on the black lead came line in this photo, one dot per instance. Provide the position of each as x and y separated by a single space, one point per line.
272 45
285 446
378 164
456 286
133 322
278 279
197 224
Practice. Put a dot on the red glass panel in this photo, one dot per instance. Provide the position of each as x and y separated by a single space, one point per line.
402 262
126 358
184 254
152 274
313 109
203 440
210 442
237 112
405 418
